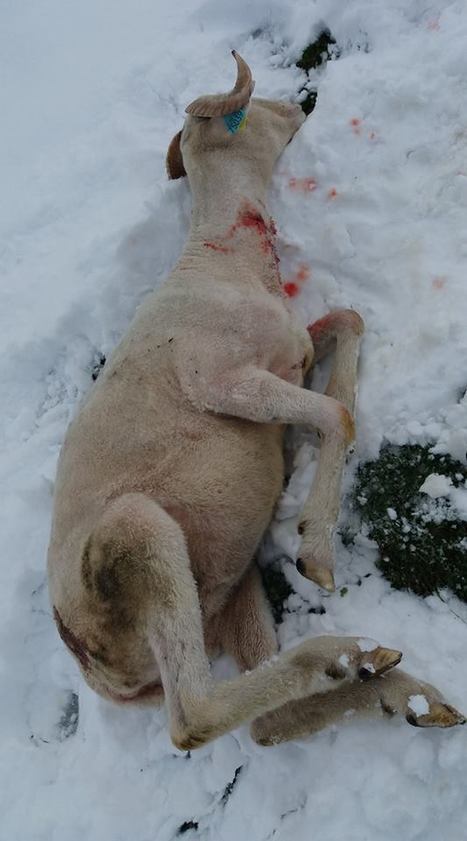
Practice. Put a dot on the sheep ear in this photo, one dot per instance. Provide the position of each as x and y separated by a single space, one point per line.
174 159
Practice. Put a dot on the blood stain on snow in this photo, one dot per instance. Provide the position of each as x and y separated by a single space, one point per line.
332 193
433 25
356 125
293 285
303 185
439 282
291 289
303 273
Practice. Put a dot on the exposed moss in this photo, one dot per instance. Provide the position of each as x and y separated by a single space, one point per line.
313 56
422 541
277 589
316 53
309 102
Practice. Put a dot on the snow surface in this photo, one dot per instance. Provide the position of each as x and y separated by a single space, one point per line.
438 486
91 95
418 704
367 644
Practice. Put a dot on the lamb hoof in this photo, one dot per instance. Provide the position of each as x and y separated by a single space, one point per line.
378 662
439 715
320 575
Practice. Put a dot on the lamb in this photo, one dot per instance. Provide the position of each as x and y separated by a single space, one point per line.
170 472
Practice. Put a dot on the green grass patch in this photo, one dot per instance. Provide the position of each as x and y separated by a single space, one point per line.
318 52
422 541
312 57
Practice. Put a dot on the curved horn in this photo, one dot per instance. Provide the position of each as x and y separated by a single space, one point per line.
220 104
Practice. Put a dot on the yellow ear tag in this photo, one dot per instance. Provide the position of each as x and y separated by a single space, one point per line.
236 121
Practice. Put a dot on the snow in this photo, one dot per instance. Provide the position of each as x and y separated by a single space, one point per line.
418 704
436 485
91 95
367 644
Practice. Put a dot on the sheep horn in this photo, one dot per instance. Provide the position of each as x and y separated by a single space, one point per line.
220 104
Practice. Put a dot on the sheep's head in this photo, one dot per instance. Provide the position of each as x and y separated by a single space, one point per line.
234 126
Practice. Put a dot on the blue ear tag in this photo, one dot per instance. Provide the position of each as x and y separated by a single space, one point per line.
235 121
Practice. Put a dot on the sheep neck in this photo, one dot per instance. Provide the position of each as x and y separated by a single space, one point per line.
232 227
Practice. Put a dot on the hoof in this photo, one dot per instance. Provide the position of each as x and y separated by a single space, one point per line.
439 715
378 662
320 575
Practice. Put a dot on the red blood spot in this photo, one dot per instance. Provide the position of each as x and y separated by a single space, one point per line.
356 125
72 642
303 185
252 219
332 193
327 326
303 273
291 289
433 24
249 218
318 329
439 282
321 329
216 247
293 285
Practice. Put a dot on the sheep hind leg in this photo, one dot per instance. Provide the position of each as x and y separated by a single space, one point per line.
395 693
201 709
342 329
249 636
248 633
